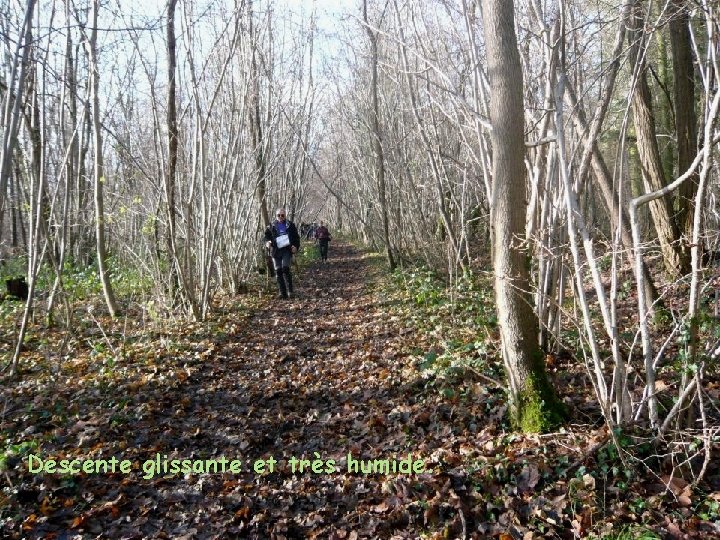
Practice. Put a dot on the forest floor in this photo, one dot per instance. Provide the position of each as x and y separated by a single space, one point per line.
335 377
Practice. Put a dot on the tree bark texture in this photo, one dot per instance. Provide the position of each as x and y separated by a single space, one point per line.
649 153
685 116
534 404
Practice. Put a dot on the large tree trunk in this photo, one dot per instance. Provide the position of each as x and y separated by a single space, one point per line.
650 160
685 117
535 406
686 134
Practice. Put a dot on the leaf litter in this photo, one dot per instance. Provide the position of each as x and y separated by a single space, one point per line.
336 371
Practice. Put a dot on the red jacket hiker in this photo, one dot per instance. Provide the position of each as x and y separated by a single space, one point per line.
322 236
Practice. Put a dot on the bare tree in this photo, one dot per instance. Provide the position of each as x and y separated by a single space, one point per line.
13 102
99 174
377 138
535 405
652 171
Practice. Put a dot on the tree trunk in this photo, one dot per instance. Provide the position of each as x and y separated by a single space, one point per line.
685 117
100 248
256 126
651 163
377 138
665 110
535 406
172 142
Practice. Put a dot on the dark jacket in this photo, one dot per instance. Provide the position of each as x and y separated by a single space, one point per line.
271 234
322 234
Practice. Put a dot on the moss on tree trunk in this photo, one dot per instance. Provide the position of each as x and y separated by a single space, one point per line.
537 408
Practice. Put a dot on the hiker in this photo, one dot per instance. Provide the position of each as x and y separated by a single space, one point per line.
283 240
322 237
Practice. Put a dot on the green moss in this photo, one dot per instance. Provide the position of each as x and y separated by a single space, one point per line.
537 408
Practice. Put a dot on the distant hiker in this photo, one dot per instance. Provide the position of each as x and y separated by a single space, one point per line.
283 240
322 237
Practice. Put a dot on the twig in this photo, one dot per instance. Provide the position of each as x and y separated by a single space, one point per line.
707 436
594 449
486 378
102 330
679 404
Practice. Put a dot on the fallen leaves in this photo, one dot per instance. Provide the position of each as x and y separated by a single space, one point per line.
335 372
680 488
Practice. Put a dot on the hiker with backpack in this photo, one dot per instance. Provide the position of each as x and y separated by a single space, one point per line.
283 241
322 237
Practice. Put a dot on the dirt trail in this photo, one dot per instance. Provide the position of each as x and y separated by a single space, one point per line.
331 373
315 377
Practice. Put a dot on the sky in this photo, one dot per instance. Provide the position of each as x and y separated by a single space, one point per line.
329 11
117 50
330 14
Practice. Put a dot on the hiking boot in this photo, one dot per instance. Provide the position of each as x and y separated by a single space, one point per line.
288 279
281 285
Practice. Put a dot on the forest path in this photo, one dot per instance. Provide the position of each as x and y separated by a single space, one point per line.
340 370
318 376
315 376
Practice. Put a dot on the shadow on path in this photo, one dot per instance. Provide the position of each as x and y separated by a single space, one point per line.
315 377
